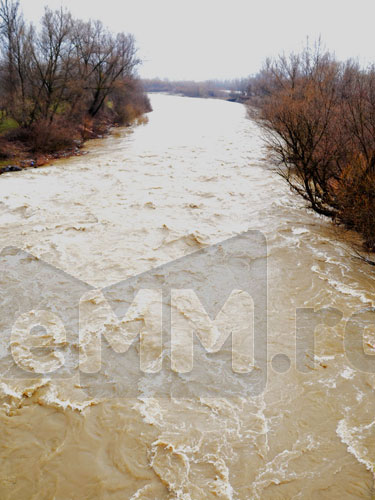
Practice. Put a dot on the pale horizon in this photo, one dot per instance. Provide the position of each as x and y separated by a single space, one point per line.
210 40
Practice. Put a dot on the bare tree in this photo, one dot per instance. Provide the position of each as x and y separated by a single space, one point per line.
319 121
297 106
66 70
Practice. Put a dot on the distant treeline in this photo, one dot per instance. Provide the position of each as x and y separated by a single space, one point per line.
231 90
318 115
63 81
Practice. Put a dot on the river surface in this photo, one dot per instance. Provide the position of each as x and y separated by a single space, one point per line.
192 177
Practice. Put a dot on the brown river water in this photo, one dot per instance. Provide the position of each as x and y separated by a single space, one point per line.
192 177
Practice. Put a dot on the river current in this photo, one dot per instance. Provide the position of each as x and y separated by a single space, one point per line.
195 175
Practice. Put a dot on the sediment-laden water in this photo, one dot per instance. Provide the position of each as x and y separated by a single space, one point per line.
191 178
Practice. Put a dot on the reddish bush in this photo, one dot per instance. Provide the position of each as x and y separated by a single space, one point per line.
46 137
356 199
319 121
54 77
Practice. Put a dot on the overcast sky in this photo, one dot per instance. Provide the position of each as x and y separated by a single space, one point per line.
202 39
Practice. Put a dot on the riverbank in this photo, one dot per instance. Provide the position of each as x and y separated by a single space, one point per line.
19 162
318 118
221 95
21 158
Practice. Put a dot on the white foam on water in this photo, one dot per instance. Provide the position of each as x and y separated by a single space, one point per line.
300 230
348 373
347 290
351 437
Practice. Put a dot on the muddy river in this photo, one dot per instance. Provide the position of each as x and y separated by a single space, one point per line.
190 179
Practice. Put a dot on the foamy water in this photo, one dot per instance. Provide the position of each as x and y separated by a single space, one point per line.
191 178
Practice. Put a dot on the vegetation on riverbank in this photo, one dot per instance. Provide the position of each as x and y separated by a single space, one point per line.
229 90
318 115
63 83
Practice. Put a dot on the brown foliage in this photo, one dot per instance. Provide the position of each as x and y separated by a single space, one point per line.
53 80
356 199
129 102
48 138
45 137
319 121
